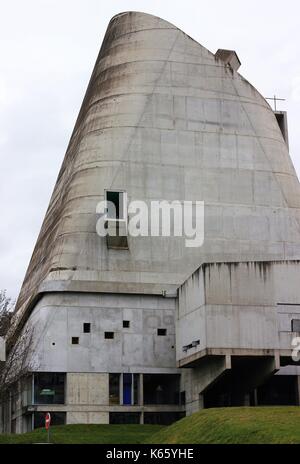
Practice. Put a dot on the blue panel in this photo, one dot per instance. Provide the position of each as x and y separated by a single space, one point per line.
127 383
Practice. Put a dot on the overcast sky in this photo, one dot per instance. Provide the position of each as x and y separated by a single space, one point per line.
47 53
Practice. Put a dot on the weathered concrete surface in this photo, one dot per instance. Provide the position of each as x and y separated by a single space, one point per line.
164 119
59 317
238 308
229 57
87 389
76 417
196 380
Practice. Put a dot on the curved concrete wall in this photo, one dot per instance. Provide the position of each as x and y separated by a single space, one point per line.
164 119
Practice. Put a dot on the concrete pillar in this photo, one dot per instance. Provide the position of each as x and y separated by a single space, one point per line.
141 390
121 389
201 401
142 418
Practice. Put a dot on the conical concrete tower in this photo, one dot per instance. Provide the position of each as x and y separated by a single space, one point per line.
162 119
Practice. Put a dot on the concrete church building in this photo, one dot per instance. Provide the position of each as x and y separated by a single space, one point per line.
145 329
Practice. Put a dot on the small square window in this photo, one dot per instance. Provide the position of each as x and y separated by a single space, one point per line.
161 332
75 340
126 324
86 328
109 335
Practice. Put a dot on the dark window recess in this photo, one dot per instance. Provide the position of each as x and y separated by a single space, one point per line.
115 205
136 389
161 332
75 340
114 389
281 117
49 388
296 325
279 390
109 335
126 324
124 417
162 418
57 418
161 389
86 328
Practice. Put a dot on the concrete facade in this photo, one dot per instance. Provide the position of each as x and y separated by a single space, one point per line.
163 118
58 318
222 322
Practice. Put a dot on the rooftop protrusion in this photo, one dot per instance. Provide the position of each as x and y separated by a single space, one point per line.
229 57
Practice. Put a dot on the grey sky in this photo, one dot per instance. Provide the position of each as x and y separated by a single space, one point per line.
48 49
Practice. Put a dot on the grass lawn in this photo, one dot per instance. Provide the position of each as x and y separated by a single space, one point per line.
87 434
270 425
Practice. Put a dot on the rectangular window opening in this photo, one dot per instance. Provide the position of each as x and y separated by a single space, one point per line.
161 389
86 327
161 332
126 324
127 389
109 335
115 204
49 388
114 389
296 325
124 417
75 340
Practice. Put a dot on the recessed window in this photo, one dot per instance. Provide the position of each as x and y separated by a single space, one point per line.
161 332
295 325
109 335
86 328
75 340
114 389
49 388
115 204
126 324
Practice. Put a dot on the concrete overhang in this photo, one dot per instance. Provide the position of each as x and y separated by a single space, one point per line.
196 358
229 57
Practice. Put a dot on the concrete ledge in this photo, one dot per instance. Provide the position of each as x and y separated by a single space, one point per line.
99 408
192 359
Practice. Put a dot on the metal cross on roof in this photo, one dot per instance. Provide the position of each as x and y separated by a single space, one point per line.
275 100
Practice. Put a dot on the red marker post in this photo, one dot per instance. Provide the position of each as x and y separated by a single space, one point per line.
47 424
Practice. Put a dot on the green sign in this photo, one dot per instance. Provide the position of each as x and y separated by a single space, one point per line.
47 392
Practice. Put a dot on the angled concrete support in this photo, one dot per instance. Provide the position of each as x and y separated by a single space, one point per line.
198 379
